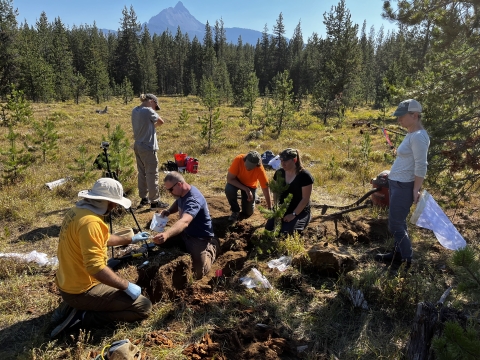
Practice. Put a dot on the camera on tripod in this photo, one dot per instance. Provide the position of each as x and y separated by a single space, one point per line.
104 144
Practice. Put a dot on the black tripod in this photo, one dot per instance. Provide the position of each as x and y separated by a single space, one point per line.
113 175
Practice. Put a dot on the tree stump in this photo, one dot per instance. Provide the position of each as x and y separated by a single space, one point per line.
424 326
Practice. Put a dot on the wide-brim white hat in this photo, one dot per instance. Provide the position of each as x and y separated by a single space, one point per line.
107 189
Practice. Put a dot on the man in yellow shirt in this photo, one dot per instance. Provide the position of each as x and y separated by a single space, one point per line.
244 173
95 295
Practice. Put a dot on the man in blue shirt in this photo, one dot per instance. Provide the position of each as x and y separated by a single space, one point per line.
195 223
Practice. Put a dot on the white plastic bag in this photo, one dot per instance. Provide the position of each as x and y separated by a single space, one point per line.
255 279
281 263
275 162
430 216
158 222
41 259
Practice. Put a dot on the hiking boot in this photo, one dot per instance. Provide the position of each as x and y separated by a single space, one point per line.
234 216
60 313
158 205
74 317
143 202
394 257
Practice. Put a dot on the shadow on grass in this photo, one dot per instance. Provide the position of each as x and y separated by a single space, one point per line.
39 234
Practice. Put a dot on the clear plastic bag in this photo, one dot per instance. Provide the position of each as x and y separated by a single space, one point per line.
158 222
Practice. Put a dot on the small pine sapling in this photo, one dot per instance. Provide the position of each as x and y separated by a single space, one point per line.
83 165
17 160
183 119
47 138
267 240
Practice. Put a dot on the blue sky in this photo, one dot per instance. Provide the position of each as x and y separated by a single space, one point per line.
250 14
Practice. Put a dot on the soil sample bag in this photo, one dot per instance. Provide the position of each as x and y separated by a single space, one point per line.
158 222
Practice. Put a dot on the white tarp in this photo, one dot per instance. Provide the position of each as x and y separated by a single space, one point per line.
429 215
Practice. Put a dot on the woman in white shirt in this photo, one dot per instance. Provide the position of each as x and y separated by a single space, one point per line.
405 179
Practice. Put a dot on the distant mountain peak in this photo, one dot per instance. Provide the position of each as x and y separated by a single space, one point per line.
172 18
180 7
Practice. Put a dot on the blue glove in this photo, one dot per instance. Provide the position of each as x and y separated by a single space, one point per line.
133 291
141 236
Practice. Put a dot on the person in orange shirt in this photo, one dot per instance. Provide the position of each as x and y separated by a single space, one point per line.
244 174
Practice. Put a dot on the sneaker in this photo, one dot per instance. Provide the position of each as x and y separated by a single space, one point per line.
74 318
393 256
60 313
143 202
234 216
159 205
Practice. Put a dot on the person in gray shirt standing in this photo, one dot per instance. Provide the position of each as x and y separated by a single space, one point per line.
405 180
144 123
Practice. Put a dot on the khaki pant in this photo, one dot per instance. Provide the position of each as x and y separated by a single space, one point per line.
204 251
105 305
147 167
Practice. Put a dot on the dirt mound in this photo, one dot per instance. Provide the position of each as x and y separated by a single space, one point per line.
248 340
169 274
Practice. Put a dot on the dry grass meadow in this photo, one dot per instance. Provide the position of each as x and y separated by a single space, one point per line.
303 308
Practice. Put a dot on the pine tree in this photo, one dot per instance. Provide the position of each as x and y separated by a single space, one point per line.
16 160
280 46
282 100
250 95
220 40
263 60
147 69
448 88
79 86
194 65
209 60
18 108
179 62
342 60
47 138
127 59
120 158
96 70
126 90
183 119
83 164
8 50
61 62
211 122
295 49
163 54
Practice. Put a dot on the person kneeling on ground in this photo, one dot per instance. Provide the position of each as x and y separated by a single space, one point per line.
243 174
195 223
93 294
300 184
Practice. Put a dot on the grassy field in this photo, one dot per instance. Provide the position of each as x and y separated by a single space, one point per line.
304 308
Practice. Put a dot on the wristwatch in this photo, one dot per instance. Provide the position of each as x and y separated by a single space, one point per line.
294 213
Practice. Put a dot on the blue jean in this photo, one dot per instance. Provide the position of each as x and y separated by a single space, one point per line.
298 224
401 199
247 206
